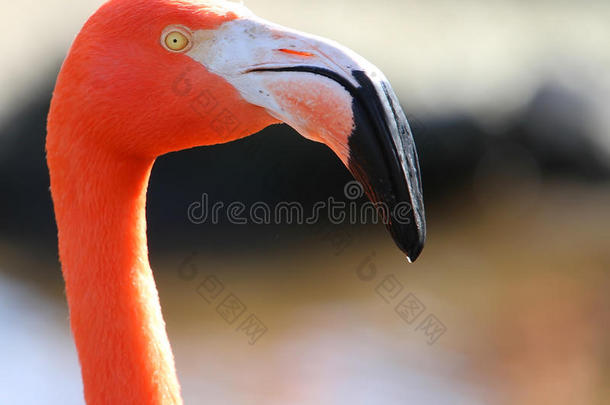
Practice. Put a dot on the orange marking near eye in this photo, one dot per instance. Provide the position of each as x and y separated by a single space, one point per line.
293 52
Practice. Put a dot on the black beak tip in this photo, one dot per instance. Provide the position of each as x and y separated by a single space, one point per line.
410 242
413 252
383 157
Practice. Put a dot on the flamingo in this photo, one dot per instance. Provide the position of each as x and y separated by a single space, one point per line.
148 77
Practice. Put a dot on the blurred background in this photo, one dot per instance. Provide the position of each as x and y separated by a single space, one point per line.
508 101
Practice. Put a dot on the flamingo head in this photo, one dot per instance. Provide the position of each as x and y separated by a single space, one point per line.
147 77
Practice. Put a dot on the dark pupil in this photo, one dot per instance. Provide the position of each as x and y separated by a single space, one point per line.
175 40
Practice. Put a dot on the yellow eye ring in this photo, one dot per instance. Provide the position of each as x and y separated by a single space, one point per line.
175 40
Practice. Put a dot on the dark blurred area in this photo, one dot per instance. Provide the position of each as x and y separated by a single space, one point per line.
548 141
508 103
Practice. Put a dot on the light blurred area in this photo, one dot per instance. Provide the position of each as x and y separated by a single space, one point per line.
489 59
508 101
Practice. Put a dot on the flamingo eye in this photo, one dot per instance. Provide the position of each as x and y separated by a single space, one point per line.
176 41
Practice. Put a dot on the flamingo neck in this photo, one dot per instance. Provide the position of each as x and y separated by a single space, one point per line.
115 314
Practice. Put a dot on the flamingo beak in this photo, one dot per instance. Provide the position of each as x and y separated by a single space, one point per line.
329 94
